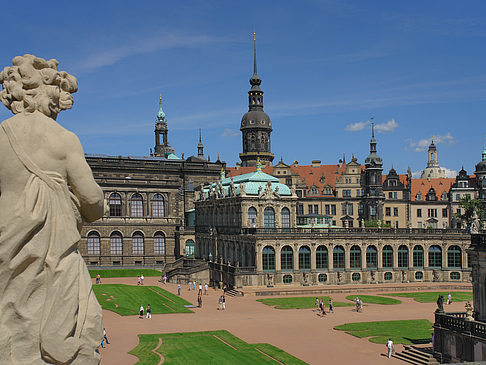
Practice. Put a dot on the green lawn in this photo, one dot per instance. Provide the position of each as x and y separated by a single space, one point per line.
406 332
211 347
126 299
126 273
431 297
299 302
373 299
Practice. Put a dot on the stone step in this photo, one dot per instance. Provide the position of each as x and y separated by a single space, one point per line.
234 293
416 356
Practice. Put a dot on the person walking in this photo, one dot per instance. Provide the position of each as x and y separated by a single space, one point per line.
449 298
331 306
165 279
194 283
104 336
200 289
179 289
189 284
98 279
224 303
149 311
141 279
220 303
138 280
199 301
141 311
206 289
390 347
317 303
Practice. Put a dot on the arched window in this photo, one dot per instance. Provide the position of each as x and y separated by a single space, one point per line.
138 244
435 257
269 218
454 257
285 218
287 258
355 257
403 257
371 257
158 210
116 243
268 258
387 257
304 258
159 243
93 243
136 205
190 248
322 259
418 256
115 205
338 257
252 216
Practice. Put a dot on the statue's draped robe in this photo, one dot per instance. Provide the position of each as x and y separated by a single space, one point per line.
48 311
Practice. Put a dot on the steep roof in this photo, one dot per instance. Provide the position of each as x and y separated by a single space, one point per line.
423 186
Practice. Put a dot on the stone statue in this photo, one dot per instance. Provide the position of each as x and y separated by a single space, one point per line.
48 311
373 278
475 223
469 311
339 277
440 304
378 223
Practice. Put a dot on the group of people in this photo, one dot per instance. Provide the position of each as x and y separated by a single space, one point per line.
359 304
321 306
222 302
140 279
104 341
148 313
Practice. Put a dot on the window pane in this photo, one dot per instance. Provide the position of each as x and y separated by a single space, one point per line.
116 244
159 243
93 243
158 206
287 258
387 257
115 205
138 244
136 206
322 259
371 257
338 257
304 258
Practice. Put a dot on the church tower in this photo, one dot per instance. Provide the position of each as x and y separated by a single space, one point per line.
433 169
255 124
162 147
374 197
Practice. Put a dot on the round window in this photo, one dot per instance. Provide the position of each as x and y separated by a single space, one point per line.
419 275
356 276
287 279
322 278
455 275
388 276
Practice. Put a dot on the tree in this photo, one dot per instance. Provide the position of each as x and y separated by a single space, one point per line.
469 207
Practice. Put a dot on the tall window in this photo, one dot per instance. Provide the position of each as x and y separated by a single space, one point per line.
138 245
371 257
115 205
268 258
269 218
287 258
338 257
355 257
116 243
322 259
454 257
93 243
403 257
252 216
191 248
159 243
304 258
285 218
158 210
137 205
435 257
418 256
387 256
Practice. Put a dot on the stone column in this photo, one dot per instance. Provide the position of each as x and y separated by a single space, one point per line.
464 258
259 263
296 258
313 257
278 261
445 264
395 257
380 257
330 258
347 257
410 255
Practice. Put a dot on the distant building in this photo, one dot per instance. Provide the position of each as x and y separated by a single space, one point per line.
433 170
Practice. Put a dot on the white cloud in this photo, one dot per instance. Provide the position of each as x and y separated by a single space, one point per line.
358 126
422 144
448 173
389 126
228 132
417 174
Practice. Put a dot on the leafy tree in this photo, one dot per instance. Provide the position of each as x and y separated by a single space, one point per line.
468 207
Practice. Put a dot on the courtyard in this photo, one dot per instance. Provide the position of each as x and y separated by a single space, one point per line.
299 332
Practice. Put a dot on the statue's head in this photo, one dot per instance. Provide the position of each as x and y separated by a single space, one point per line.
33 83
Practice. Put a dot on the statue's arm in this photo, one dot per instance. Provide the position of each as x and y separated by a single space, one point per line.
80 179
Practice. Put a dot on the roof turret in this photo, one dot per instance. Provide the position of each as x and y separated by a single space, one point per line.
373 160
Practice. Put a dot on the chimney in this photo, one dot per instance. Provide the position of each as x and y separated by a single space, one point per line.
316 163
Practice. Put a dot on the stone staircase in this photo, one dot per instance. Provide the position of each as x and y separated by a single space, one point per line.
234 293
416 355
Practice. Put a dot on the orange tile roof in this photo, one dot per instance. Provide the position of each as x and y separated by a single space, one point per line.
423 186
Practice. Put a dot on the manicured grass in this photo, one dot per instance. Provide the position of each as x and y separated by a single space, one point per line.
406 332
125 273
373 299
126 299
299 302
431 297
211 347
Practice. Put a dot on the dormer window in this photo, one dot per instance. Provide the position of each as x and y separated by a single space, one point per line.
444 196
419 196
431 195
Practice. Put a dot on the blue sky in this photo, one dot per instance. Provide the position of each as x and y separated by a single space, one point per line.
416 67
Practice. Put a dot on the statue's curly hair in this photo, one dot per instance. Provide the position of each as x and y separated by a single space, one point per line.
33 83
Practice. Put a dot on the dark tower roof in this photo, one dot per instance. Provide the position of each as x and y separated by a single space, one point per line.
373 160
432 145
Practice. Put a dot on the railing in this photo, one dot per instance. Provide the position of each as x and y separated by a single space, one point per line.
458 322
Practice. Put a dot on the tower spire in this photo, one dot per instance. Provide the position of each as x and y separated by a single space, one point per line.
254 54
200 147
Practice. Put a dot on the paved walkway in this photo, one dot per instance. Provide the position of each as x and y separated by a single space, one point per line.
300 332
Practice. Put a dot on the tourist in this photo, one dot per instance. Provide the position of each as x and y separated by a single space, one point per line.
149 311
317 303
224 289
179 289
220 302
104 336
199 301
189 285
206 289
323 308
138 280
331 306
356 301
390 347
194 284
165 279
223 303
141 279
360 305
141 311
200 289
449 298
98 279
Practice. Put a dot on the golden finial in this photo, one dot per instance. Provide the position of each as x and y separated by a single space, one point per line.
259 165
222 174
254 36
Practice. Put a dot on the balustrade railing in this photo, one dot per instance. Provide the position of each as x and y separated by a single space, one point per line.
458 322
